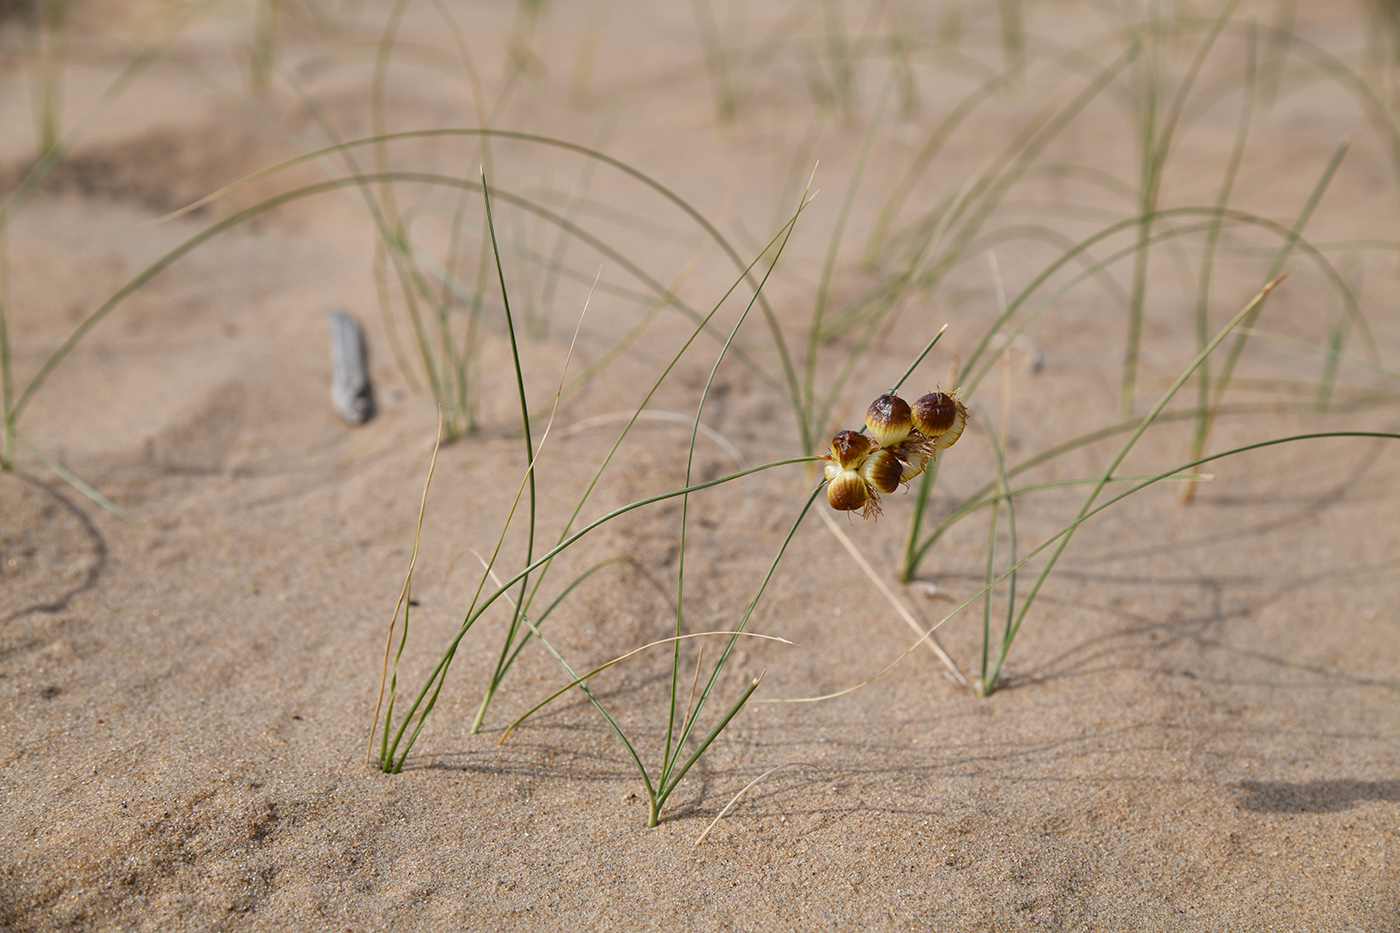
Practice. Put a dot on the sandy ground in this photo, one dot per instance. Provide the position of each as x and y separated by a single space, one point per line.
1199 728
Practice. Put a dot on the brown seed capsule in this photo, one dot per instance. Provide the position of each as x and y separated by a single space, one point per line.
882 469
847 491
950 437
935 413
849 450
941 417
889 420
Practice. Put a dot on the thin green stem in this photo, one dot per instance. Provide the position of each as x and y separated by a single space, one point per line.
666 760
1198 439
1294 237
1247 313
529 455
540 561
987 681
779 240
810 427
1156 144
664 793
675 776
1059 539
791 383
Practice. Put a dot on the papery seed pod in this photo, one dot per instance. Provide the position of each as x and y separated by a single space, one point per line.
935 413
916 447
889 420
913 464
882 470
950 437
849 450
848 491
942 417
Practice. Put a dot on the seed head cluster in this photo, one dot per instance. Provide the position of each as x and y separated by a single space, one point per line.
903 440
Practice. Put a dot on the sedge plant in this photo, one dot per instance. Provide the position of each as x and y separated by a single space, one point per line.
999 495
918 255
686 740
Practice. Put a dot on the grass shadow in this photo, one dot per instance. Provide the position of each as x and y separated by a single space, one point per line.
1330 796
97 547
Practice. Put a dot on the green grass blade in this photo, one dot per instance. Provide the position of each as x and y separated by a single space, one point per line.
1295 235
1198 439
429 692
1247 313
666 758
77 483
677 774
1058 539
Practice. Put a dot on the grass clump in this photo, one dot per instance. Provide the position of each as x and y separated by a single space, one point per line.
1126 219
686 740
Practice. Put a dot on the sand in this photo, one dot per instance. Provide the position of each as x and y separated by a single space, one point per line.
1198 728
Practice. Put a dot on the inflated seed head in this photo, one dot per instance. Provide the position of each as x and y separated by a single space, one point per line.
883 470
942 417
935 413
889 420
849 449
847 491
